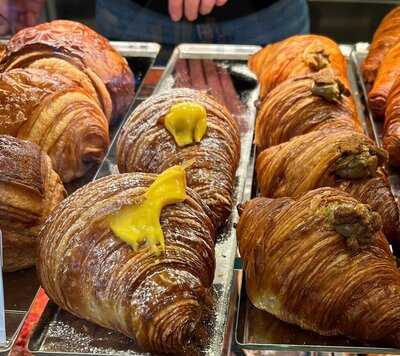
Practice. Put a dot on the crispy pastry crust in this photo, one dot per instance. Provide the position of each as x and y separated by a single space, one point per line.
391 129
158 301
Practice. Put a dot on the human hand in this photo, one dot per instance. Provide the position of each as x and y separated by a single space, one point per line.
190 9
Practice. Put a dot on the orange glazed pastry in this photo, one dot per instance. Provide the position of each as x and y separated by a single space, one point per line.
29 190
76 51
58 115
296 56
386 36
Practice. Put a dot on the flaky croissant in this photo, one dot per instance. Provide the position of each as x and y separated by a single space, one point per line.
58 115
296 56
330 158
387 75
76 51
391 128
304 104
145 145
386 36
322 263
29 190
157 300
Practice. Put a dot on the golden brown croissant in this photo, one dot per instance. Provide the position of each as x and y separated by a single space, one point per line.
58 115
296 56
29 190
304 104
76 51
387 74
157 300
322 263
386 36
331 158
145 145
391 128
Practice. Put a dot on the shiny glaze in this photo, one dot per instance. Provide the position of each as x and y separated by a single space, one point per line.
158 301
145 145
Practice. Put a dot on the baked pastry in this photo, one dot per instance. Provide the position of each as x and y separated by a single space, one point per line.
58 115
76 51
304 104
387 74
330 158
29 190
146 144
157 299
391 128
321 262
296 56
386 36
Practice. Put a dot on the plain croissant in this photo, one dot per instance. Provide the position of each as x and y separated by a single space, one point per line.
29 190
321 262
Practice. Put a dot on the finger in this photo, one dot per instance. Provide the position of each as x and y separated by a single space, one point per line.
192 9
206 6
221 2
175 9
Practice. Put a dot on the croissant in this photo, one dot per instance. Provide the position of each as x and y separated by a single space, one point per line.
58 115
29 190
76 51
296 56
330 158
387 74
145 145
157 300
391 128
322 263
386 36
304 104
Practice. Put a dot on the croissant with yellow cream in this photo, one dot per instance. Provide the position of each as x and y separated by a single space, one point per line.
304 104
157 294
322 263
333 158
185 125
79 53
297 56
57 114
29 190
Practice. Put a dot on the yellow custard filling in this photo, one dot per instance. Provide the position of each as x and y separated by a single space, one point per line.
139 225
186 122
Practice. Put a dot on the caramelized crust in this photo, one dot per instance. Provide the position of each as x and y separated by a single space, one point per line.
158 301
29 190
304 104
79 46
296 56
145 145
386 36
388 71
300 269
391 129
58 115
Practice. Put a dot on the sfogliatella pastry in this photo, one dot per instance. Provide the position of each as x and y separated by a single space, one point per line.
185 125
322 263
133 253
79 53
304 104
29 190
297 56
333 158
386 36
58 115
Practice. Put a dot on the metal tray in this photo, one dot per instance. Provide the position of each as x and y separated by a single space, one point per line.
60 333
20 287
259 330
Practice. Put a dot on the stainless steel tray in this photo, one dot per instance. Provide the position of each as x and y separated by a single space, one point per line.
60 333
20 287
259 330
